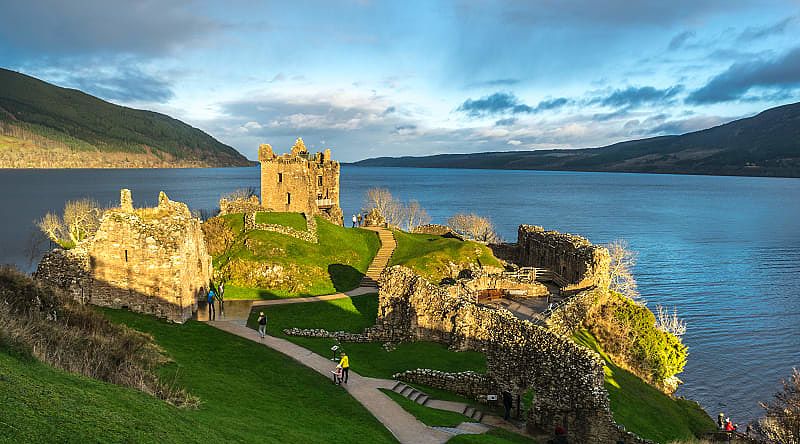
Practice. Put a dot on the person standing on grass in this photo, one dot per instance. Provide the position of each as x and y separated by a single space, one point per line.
262 325
508 402
360 220
211 313
354 221
345 364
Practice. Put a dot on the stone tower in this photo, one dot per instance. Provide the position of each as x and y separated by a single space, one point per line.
300 182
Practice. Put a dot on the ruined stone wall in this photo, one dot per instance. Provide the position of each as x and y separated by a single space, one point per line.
237 206
310 235
567 378
150 260
574 258
294 182
568 316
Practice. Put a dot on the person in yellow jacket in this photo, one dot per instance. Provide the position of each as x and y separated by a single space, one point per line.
345 364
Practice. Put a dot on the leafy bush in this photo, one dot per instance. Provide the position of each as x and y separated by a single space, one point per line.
218 235
628 331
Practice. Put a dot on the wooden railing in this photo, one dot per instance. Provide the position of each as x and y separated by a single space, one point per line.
324 203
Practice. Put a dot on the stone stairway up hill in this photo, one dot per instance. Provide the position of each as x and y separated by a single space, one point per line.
381 259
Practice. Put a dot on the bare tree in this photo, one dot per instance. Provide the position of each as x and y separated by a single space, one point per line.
414 215
240 194
621 277
79 221
670 322
474 227
781 423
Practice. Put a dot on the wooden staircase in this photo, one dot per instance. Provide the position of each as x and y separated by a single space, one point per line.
381 259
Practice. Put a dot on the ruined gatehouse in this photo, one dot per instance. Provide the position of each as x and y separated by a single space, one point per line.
149 260
300 182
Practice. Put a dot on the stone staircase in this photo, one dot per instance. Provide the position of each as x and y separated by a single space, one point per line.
381 259
423 399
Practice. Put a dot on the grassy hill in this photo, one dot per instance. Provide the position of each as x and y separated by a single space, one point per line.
266 265
249 393
431 256
46 126
767 144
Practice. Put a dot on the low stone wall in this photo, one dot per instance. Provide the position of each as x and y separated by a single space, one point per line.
310 235
342 336
568 316
237 206
470 384
582 264
567 378
438 230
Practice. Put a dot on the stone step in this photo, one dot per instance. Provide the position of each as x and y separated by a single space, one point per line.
414 395
468 411
406 391
422 399
398 387
478 415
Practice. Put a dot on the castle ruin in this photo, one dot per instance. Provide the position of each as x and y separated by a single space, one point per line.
149 260
300 182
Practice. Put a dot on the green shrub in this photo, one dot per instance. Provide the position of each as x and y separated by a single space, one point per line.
628 331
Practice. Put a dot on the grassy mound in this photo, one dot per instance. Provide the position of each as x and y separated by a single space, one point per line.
494 436
249 393
268 265
430 255
643 409
427 415
368 359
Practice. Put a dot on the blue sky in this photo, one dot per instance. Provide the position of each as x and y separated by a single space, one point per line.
369 78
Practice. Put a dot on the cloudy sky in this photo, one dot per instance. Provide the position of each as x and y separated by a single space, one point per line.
369 78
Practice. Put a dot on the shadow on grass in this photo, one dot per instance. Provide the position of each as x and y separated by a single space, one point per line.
344 277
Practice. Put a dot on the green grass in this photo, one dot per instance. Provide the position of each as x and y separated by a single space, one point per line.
429 255
291 220
337 263
494 436
427 415
368 359
644 410
249 393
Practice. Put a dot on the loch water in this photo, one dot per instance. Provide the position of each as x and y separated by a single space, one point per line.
725 251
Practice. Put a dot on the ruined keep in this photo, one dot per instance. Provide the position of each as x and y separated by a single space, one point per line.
149 260
300 182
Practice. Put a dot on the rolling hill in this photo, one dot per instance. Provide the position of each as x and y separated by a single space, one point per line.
767 144
46 126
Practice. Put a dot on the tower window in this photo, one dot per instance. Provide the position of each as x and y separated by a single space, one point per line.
288 198
280 177
126 255
319 180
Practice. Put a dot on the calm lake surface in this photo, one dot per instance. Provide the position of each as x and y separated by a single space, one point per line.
724 250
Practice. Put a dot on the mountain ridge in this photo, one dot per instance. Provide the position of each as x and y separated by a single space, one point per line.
47 126
767 144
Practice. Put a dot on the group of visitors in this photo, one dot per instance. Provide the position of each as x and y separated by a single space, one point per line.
359 220
215 295
342 371
724 423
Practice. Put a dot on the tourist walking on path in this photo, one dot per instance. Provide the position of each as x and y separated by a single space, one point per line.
337 375
508 402
211 314
360 220
262 325
345 364
354 221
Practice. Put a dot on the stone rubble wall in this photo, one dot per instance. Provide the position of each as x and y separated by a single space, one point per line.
438 230
567 317
310 235
469 384
149 260
582 264
567 378
342 336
